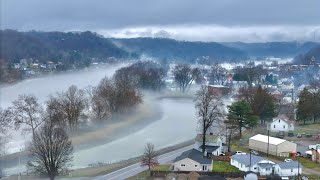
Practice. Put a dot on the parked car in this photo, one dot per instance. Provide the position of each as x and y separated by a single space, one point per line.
222 154
298 154
299 135
239 152
280 135
290 134
288 160
254 152
308 135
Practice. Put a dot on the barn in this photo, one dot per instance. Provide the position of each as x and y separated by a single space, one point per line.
277 147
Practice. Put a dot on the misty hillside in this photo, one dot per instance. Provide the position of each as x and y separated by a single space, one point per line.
310 57
56 46
276 49
184 50
81 47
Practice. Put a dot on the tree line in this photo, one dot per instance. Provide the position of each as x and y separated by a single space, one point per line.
308 107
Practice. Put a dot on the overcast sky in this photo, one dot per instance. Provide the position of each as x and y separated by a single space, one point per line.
205 20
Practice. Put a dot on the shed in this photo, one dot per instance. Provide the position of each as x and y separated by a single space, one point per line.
277 146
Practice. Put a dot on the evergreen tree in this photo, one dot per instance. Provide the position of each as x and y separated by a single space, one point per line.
263 105
240 116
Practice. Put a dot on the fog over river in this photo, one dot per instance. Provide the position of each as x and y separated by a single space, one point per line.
177 122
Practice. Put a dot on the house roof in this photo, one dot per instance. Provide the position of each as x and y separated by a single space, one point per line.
245 159
210 149
264 138
265 165
289 165
283 118
209 138
194 155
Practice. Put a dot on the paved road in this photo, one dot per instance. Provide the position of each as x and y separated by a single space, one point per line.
136 168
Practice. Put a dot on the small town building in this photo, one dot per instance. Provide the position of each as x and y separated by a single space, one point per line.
214 145
277 147
281 124
192 160
315 155
254 163
287 169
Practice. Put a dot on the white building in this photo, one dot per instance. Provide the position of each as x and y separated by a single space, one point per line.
255 164
287 169
213 144
275 146
192 160
281 124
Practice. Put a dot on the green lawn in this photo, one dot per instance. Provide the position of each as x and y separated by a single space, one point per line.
309 128
223 166
146 174
162 167
239 148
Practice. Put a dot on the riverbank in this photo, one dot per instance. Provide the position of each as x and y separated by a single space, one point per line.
101 169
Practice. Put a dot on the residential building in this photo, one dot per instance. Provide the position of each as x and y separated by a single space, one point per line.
281 124
287 169
192 160
214 145
257 164
271 145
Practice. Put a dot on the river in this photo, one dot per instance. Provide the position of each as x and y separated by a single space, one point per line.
176 124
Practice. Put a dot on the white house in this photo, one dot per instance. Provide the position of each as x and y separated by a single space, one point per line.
281 124
286 169
213 143
254 163
192 160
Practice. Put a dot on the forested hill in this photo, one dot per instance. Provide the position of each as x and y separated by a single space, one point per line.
275 49
57 46
83 47
184 50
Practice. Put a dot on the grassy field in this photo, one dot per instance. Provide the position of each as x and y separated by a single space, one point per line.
146 174
236 147
162 167
223 166
309 128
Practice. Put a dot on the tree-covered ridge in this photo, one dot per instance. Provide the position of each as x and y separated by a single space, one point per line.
181 50
274 49
57 46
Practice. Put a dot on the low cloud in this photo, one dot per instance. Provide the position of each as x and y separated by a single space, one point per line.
220 33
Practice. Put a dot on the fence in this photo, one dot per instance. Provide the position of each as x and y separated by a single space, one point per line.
223 174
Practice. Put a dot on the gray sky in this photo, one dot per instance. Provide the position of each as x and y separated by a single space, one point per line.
208 20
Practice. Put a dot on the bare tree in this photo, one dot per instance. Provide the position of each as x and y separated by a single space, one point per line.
5 124
184 75
217 74
26 110
149 157
70 105
51 151
103 100
209 111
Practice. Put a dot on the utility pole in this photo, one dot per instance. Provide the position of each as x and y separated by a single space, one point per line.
268 141
250 162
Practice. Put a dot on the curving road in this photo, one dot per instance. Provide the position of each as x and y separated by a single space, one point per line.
136 168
